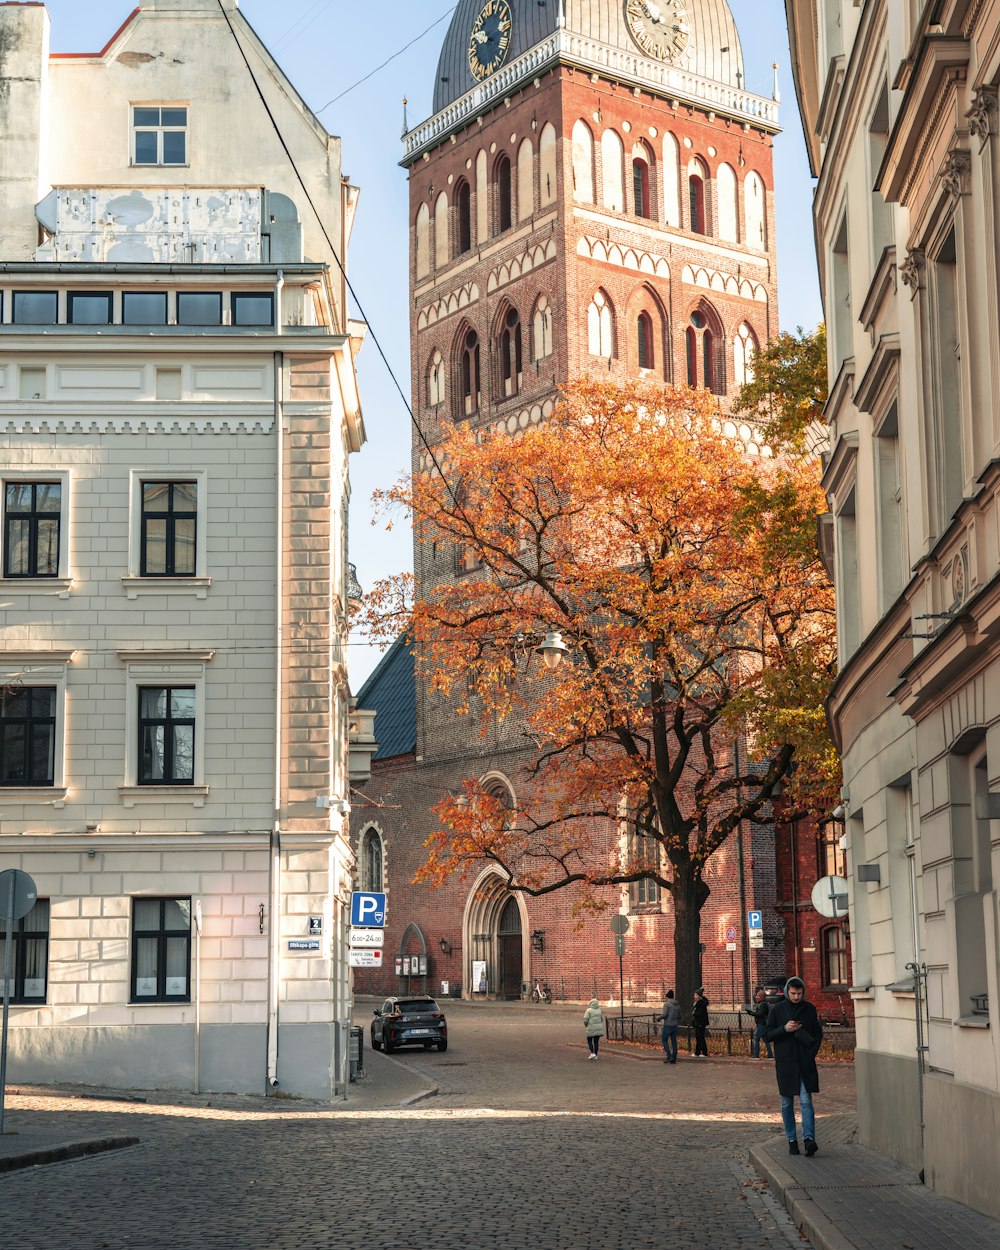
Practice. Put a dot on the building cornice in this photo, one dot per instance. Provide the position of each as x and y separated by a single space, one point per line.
622 65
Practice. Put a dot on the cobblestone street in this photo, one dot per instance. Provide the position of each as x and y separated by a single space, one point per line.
525 1144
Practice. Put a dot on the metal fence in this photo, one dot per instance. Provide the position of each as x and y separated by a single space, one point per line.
729 1033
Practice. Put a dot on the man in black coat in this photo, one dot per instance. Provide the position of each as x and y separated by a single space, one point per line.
699 1018
794 1031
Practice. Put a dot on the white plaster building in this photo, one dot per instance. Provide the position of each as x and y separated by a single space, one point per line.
178 403
899 107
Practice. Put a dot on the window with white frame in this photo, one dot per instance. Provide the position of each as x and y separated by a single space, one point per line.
159 134
164 722
161 950
29 956
600 327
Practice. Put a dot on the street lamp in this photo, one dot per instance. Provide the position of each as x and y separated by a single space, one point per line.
552 649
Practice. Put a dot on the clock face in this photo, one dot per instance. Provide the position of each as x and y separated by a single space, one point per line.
659 27
490 38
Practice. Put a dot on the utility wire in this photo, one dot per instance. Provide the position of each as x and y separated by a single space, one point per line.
415 39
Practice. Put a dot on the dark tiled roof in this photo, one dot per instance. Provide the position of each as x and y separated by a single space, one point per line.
391 691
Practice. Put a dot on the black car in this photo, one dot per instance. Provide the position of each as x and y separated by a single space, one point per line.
415 1020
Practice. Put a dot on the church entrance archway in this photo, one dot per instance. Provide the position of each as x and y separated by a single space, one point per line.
494 932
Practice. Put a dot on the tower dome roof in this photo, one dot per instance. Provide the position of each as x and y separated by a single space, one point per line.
713 51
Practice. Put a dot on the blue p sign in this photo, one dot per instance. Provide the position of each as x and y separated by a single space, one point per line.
367 910
755 920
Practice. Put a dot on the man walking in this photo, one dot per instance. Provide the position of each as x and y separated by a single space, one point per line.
671 1020
794 1030
699 1018
761 1010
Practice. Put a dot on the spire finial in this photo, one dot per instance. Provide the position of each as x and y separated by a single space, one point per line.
775 93
406 124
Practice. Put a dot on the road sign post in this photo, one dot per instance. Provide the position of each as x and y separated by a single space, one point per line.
619 927
17 897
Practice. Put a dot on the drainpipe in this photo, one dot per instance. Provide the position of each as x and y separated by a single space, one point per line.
197 996
795 902
275 847
745 953
279 285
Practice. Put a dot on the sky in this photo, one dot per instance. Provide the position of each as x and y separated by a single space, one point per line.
326 47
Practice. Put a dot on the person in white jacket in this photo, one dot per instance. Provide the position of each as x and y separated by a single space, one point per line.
593 1022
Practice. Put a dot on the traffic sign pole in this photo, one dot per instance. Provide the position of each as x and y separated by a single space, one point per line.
7 952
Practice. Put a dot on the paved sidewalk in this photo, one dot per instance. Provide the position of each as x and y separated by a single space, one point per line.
849 1198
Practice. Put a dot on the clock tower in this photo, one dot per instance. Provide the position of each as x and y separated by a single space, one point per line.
592 195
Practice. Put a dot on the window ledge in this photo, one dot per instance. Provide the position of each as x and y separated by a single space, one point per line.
972 1022
861 991
25 795
158 1002
162 794
902 989
135 586
60 586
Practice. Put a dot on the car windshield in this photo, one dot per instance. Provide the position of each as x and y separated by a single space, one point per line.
417 1004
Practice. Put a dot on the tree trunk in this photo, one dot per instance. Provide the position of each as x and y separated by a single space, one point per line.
688 896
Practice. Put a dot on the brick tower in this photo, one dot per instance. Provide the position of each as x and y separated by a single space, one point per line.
593 195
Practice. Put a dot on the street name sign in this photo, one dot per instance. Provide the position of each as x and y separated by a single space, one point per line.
367 937
364 959
303 944
367 910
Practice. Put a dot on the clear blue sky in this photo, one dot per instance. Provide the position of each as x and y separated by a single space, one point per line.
325 46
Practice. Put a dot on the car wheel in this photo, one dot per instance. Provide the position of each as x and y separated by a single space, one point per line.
386 1043
376 1042
443 1046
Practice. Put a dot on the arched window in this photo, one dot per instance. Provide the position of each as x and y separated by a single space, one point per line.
441 231
482 198
600 327
836 973
671 181
702 343
642 204
423 248
744 347
467 389
755 212
541 329
502 191
612 161
547 165
435 380
644 338
725 185
583 163
525 181
697 216
509 354
372 875
463 203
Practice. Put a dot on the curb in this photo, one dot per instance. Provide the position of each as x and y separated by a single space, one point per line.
809 1218
64 1150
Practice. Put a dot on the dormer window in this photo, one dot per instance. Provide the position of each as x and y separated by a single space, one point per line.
159 134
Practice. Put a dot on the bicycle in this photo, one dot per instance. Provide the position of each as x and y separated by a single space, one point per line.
541 992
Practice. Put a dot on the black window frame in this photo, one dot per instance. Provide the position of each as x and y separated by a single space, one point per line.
162 935
169 723
503 182
104 296
183 296
129 295
21 937
34 517
170 517
644 341
238 297
31 722
21 321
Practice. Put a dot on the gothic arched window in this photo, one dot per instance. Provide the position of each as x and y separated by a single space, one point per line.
509 354
502 190
644 339
642 204
435 380
583 163
463 203
702 344
600 327
697 215
467 369
744 347
372 875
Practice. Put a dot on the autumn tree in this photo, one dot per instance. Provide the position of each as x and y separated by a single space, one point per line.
680 569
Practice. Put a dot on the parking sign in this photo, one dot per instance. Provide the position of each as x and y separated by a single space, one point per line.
367 910
755 920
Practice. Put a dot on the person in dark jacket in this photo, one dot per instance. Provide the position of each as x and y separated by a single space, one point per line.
671 1020
794 1030
761 1011
699 1020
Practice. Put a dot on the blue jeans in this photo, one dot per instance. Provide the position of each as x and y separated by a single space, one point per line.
805 1107
669 1039
593 1043
758 1035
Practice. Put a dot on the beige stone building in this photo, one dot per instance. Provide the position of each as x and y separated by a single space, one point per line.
178 404
899 107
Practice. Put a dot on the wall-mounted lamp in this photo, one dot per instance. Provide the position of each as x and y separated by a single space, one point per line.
870 872
445 946
839 812
552 649
331 801
538 939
